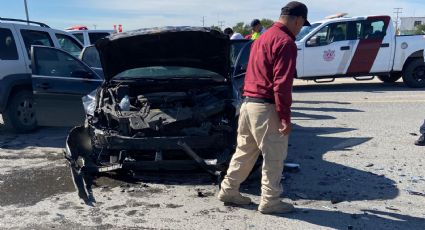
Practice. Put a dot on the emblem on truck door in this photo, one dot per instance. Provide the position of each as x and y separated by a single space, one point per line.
329 55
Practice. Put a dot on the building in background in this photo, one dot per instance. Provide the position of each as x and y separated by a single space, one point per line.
408 24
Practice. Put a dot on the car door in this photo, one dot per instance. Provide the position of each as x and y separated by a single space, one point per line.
329 51
59 82
374 51
90 56
239 69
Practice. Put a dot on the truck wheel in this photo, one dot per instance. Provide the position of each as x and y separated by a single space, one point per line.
414 74
20 113
393 77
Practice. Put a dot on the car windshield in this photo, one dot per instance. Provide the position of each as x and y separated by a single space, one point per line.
306 30
168 72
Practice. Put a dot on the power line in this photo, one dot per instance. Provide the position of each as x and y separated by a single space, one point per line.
398 11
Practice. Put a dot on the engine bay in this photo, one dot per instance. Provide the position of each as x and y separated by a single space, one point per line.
193 112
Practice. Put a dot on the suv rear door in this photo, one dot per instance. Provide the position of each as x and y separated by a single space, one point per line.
59 82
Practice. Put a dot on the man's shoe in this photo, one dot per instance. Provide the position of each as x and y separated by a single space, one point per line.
420 141
278 208
236 198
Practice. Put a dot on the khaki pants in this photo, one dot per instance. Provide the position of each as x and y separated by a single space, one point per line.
258 132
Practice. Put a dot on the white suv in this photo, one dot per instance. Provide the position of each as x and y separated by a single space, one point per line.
16 38
89 37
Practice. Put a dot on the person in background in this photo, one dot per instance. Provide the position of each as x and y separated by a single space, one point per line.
257 29
232 35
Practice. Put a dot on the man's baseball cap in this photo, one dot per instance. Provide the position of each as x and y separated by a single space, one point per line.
255 22
298 9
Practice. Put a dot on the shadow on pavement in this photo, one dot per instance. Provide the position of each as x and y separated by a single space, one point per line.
369 219
319 179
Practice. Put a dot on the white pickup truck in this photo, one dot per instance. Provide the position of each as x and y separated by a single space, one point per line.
360 46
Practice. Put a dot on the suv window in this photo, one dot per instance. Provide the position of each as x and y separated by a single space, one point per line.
68 44
57 63
79 36
96 36
8 50
34 37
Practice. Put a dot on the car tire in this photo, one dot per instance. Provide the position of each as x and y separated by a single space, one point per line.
391 78
414 74
20 112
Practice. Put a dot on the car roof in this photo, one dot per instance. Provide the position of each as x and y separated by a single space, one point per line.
345 19
88 31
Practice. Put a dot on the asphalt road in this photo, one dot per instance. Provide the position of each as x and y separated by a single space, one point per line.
353 140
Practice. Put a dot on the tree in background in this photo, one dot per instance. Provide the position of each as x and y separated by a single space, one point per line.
420 29
245 29
266 22
242 28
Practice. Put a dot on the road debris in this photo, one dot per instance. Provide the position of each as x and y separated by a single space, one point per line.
411 192
392 208
291 167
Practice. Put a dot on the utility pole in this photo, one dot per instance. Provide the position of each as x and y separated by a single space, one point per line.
221 24
398 11
26 11
203 21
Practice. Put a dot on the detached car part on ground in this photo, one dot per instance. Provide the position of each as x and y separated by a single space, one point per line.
167 99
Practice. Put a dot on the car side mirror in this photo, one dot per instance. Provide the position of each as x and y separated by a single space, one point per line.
313 41
81 74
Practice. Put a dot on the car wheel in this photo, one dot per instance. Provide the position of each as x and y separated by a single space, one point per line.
414 74
391 78
20 112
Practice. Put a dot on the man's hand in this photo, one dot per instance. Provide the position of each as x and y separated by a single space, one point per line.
286 129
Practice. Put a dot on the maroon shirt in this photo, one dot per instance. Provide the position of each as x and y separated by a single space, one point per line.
271 69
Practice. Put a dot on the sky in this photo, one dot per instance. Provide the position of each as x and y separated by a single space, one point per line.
134 14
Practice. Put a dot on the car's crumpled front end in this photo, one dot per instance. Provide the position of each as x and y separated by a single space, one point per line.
162 128
180 121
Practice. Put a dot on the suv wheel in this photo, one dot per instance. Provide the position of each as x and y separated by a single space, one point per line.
414 74
20 112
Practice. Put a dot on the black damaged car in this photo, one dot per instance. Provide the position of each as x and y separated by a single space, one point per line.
168 101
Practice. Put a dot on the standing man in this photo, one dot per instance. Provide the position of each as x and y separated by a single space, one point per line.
265 115
257 30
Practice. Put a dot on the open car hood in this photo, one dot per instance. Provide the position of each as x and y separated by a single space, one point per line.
195 47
